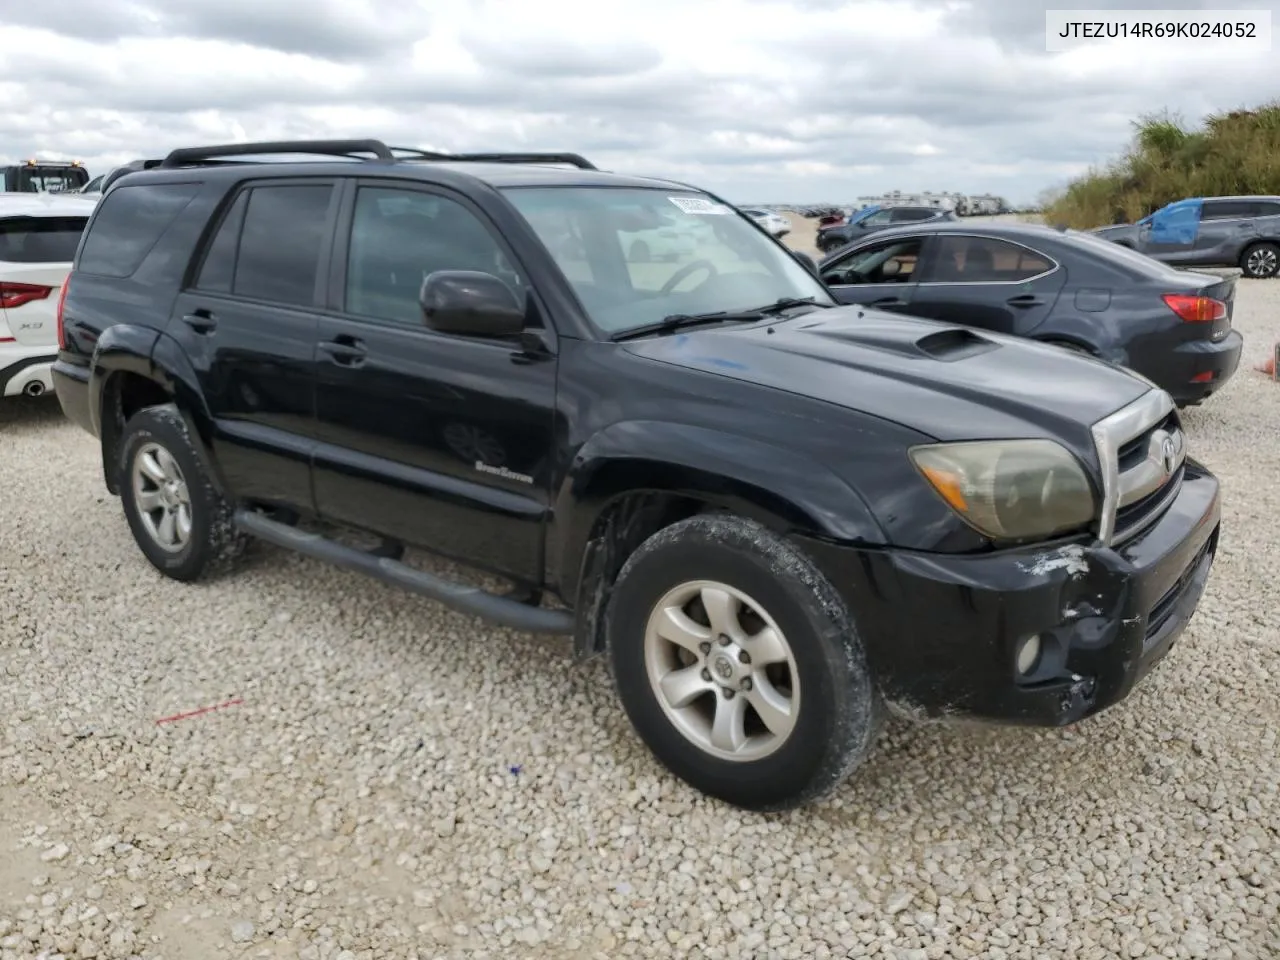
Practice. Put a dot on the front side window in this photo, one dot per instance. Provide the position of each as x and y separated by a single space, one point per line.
961 259
400 237
893 261
636 256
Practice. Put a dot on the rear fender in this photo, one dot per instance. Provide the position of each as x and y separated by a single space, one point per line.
785 491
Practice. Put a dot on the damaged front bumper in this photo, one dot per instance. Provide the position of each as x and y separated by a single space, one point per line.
944 633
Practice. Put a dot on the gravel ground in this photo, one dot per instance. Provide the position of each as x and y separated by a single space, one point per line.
399 781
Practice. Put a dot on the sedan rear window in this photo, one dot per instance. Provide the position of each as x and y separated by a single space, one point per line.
40 239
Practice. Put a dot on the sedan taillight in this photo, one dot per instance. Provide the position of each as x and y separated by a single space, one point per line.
1193 309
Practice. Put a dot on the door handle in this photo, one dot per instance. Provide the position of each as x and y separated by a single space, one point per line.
1026 300
349 353
201 321
888 302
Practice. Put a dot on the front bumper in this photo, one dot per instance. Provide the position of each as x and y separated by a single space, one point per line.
942 631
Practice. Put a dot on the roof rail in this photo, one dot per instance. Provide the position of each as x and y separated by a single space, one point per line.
582 163
327 148
415 154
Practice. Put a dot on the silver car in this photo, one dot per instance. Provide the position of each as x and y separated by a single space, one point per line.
1239 232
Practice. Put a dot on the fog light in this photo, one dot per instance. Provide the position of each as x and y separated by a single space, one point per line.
1028 654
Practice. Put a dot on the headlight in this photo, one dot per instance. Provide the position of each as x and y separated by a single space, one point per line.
1010 489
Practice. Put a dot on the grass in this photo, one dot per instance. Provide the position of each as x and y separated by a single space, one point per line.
1230 153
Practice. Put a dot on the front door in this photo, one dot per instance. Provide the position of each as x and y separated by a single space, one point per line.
1170 233
248 326
436 440
987 282
877 274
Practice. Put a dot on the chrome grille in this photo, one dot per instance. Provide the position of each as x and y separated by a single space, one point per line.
1142 450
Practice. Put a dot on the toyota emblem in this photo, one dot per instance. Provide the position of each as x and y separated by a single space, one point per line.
1168 454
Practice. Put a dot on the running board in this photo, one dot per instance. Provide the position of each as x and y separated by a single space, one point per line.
465 599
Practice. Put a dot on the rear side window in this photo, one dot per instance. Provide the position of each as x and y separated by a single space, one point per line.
1228 209
1268 208
128 223
963 259
40 239
268 247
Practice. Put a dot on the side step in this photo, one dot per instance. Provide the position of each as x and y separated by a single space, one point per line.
503 610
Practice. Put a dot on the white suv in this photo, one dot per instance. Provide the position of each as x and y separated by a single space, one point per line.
39 233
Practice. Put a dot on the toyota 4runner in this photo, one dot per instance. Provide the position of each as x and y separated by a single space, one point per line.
773 514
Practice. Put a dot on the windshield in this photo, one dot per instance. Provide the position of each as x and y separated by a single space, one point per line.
636 256
1148 266
863 214
50 179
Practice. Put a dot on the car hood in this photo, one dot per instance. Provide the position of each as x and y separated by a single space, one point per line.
945 381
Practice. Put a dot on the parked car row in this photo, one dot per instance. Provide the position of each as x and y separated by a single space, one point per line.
775 514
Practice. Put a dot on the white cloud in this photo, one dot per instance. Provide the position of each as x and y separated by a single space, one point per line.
755 99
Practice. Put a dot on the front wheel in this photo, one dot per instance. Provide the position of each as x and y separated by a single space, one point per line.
739 665
179 520
1261 261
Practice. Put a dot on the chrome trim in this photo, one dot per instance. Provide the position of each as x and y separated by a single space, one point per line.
1165 453
1113 432
1151 516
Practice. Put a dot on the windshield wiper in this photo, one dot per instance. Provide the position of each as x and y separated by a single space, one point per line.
786 303
681 321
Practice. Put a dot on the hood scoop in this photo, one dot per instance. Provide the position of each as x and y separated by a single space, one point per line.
954 343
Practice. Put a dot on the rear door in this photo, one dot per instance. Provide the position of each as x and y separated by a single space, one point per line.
1226 228
248 324
879 274
35 257
988 282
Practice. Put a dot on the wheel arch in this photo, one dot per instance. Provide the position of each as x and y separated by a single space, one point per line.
617 495
128 378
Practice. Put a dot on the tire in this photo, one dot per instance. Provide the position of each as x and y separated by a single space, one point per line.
157 458
1261 261
836 711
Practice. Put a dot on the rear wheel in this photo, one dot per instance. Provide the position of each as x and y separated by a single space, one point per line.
739 664
179 520
1261 261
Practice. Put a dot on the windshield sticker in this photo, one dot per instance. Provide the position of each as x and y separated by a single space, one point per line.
698 205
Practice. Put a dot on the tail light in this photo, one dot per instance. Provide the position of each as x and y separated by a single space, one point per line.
16 294
1193 309
62 306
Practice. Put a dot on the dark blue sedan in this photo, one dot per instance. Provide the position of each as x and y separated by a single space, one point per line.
1058 286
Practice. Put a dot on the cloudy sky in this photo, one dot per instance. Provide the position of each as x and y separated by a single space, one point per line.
761 100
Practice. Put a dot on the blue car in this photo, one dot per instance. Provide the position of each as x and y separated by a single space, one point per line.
1239 232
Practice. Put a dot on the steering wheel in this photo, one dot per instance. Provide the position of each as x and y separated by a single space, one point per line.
689 268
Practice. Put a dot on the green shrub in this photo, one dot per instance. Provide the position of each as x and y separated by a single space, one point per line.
1231 153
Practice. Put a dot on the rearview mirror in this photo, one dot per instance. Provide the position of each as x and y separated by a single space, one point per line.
470 303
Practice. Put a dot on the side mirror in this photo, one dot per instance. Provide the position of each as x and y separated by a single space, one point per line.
470 303
807 262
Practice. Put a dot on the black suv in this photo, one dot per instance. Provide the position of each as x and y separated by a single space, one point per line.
773 513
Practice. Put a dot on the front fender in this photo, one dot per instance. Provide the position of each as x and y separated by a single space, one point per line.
786 491
173 370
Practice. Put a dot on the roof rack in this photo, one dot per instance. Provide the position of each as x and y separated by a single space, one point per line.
325 148
582 163
350 149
